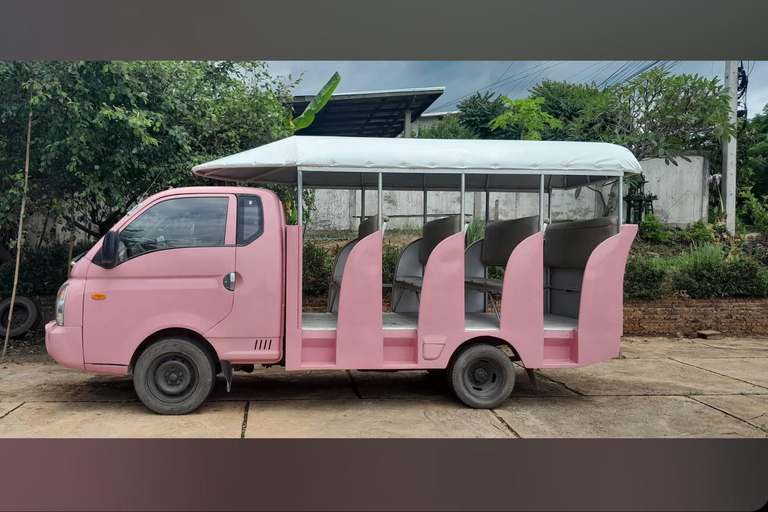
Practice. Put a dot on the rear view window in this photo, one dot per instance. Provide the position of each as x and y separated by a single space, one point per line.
186 222
250 222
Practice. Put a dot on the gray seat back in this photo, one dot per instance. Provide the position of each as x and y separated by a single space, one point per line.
502 237
369 226
569 244
436 231
567 248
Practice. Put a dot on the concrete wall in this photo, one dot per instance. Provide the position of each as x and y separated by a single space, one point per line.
682 191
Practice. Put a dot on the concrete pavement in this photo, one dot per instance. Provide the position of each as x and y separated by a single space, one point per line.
660 387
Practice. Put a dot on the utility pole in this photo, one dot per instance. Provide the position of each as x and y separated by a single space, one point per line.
729 148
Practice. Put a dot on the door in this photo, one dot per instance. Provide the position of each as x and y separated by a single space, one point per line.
173 270
253 330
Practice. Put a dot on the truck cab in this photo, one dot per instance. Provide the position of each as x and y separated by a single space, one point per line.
200 264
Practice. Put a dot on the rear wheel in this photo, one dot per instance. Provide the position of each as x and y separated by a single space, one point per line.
482 376
174 376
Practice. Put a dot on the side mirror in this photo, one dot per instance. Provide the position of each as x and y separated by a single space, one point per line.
109 249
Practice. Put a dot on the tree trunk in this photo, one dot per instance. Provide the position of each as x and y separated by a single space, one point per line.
21 231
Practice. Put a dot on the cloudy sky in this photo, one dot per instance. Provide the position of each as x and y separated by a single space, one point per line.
512 78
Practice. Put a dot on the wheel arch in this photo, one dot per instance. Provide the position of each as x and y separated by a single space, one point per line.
174 332
486 339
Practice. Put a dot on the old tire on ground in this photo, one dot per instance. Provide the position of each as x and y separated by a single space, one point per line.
174 376
482 376
25 316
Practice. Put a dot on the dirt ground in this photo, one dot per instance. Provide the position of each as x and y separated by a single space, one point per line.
659 387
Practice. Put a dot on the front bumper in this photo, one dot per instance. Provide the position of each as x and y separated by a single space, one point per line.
65 345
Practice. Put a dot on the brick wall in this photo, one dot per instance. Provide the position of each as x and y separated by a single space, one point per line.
686 316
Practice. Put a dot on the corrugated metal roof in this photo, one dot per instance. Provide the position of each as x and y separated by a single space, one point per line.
368 114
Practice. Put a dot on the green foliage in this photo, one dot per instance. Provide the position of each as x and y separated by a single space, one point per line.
754 212
318 266
708 278
317 104
475 231
448 127
527 116
389 262
698 233
658 114
654 231
751 155
644 277
496 272
41 271
108 133
564 101
477 112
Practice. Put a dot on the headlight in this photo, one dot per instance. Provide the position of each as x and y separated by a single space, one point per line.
60 297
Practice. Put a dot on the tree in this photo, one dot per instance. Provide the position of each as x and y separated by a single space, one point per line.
109 133
448 127
526 115
477 112
658 114
564 101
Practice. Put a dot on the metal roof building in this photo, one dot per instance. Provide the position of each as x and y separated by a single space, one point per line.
369 114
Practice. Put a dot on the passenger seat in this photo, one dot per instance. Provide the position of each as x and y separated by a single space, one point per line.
499 241
434 232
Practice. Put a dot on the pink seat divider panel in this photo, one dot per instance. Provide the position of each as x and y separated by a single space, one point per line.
601 309
522 300
293 266
441 305
360 335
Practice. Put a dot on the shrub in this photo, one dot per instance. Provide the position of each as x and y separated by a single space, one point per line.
698 232
496 272
755 212
644 278
389 262
654 231
318 266
475 231
41 271
703 279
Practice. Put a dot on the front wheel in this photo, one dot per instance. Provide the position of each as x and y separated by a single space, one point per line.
482 376
174 376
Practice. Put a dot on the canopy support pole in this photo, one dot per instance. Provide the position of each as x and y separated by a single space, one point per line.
299 200
541 202
620 200
424 199
549 201
381 205
362 203
487 199
461 199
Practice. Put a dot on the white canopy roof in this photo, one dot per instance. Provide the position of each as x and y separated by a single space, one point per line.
415 164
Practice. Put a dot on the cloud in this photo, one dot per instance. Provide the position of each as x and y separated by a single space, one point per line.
513 78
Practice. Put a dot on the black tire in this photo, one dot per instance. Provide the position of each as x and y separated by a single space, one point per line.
482 376
174 376
25 316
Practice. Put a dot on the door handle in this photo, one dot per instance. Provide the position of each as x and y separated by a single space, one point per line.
229 281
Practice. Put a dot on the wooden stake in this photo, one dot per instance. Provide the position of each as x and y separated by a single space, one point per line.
21 230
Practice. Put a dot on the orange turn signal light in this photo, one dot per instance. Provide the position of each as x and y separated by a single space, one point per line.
98 296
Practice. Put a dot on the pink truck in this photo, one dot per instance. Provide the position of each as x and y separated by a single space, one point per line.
206 280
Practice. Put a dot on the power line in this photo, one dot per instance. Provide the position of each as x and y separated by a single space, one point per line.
506 81
525 87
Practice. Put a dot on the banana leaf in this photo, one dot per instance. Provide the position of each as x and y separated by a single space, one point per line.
317 103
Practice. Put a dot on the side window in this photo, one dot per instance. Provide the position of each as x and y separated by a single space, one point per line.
183 222
250 221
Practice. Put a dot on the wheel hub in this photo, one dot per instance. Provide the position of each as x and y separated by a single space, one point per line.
172 376
481 375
